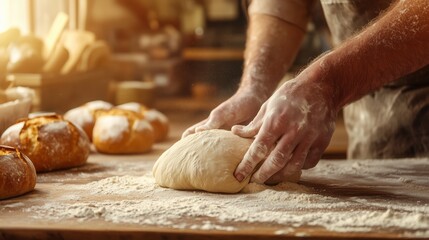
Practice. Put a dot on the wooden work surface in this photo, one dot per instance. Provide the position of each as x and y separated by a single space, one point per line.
396 187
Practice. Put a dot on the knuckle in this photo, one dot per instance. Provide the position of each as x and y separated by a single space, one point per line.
247 167
278 161
276 122
258 151
215 115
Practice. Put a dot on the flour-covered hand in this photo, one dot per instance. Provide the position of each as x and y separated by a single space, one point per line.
239 109
291 130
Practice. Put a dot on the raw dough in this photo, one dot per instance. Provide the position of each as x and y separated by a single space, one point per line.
203 161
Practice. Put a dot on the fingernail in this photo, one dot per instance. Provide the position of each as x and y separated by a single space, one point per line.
239 177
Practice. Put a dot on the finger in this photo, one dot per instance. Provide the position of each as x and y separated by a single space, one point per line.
313 157
298 158
213 122
257 151
316 151
191 129
293 166
277 159
253 127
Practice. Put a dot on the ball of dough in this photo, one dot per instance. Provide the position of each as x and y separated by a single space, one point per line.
203 161
157 119
84 116
17 173
119 131
49 141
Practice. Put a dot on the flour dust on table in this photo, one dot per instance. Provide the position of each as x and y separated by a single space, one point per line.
288 207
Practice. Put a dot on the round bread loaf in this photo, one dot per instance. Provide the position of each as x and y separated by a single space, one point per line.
84 116
49 141
120 131
17 173
157 119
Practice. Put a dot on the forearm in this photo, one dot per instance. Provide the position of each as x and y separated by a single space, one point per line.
271 47
395 45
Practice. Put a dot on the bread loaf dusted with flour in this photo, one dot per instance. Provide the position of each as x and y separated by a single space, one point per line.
17 173
50 141
84 116
120 131
157 119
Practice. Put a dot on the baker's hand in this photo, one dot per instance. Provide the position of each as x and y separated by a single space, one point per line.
239 109
291 130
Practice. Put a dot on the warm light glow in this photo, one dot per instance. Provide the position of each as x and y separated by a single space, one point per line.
14 13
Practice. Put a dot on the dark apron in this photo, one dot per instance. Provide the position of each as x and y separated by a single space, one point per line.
392 122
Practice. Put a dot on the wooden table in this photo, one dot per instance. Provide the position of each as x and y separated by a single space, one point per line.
396 187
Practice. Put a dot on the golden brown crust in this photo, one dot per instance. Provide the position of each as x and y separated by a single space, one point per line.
157 119
17 173
84 116
159 123
50 142
120 131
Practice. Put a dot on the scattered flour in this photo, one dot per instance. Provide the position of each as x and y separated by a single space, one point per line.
287 204
127 194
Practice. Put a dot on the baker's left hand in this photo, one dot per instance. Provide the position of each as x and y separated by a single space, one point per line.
292 129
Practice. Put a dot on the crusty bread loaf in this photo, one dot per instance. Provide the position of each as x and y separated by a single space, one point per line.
120 131
159 123
83 116
49 141
17 173
157 119
133 106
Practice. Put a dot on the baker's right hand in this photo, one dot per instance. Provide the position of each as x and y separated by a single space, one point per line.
241 108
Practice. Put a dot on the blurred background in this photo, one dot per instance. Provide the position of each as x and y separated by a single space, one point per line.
183 57
73 51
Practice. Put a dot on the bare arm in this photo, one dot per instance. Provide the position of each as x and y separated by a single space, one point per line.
294 126
395 45
271 46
